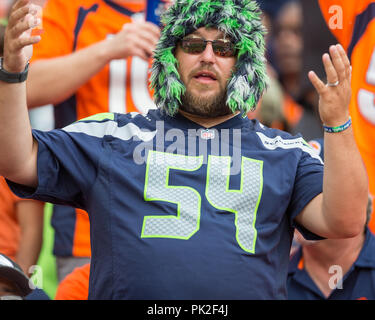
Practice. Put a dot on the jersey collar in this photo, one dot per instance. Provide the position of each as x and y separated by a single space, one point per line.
366 258
182 122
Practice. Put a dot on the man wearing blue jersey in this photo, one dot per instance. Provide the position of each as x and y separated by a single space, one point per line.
186 222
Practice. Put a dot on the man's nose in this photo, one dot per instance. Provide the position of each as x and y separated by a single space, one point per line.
208 54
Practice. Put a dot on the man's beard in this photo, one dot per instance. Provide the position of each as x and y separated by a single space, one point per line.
208 107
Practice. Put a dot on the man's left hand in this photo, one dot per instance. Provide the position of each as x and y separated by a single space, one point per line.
334 97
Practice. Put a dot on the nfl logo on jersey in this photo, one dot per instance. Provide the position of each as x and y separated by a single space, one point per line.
208 134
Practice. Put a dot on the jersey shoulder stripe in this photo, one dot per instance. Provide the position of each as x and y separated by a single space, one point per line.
272 143
106 124
100 117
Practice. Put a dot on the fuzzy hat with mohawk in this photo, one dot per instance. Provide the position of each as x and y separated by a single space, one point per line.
239 19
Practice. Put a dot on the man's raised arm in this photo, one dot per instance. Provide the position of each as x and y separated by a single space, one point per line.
340 211
18 149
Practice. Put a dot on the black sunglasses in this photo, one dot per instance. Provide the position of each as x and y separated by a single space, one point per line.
222 48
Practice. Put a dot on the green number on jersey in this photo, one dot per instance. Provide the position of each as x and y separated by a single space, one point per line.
243 202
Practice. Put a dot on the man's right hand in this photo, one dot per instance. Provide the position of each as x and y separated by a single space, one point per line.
18 40
134 39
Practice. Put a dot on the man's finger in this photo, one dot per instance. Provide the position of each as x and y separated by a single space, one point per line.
24 42
337 63
345 60
145 30
146 46
28 23
148 40
151 27
19 4
316 82
143 25
141 54
329 68
17 15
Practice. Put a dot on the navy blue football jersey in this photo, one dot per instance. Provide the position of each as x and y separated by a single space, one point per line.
358 283
178 211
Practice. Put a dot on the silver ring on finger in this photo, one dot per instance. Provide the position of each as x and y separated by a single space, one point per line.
334 84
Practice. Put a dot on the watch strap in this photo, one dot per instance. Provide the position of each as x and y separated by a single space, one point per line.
10 77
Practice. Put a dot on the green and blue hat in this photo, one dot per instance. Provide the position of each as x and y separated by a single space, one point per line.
241 21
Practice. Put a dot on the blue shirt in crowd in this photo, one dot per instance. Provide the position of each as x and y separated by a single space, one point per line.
358 283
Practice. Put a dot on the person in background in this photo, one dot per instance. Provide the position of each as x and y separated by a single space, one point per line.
316 38
15 284
75 286
333 269
270 107
279 106
353 25
100 53
21 228
287 48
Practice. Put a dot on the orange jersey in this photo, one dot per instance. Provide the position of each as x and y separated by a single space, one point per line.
292 111
353 24
9 228
121 86
75 285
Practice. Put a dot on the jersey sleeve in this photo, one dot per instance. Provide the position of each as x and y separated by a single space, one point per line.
308 184
59 18
68 163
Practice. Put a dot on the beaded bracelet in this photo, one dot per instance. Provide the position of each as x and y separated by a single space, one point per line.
337 129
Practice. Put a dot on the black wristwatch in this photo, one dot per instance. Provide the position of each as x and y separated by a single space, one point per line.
10 77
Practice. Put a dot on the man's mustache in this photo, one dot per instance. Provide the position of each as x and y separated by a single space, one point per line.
202 68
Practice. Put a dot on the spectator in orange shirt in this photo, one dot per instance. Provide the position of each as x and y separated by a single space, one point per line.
75 285
270 111
21 228
288 46
21 221
353 24
316 39
278 107
289 58
102 50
